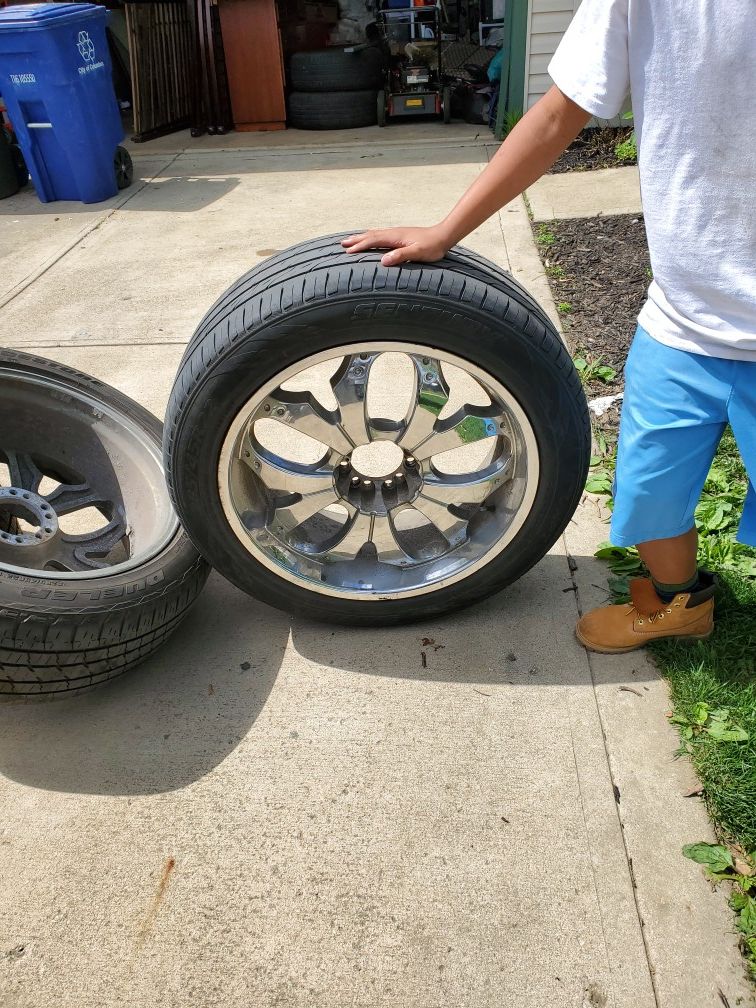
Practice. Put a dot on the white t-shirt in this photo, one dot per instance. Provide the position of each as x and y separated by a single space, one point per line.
690 66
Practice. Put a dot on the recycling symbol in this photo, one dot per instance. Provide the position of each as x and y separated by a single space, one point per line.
86 47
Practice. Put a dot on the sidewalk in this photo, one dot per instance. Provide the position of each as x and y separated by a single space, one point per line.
274 812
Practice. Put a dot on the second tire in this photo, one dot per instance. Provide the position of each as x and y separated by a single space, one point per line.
333 109
336 70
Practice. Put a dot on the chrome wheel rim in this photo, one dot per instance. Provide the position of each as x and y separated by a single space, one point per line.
82 489
378 471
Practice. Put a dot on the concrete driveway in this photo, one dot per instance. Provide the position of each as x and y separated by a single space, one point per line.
465 812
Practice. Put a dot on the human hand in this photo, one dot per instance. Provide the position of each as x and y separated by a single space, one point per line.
407 244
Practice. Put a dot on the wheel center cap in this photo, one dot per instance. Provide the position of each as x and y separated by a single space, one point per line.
377 460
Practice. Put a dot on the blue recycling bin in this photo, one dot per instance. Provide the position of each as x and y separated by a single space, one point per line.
56 81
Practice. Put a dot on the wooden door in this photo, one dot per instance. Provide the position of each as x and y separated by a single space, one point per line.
254 63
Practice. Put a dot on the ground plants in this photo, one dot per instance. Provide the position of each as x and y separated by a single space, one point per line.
588 368
712 682
627 149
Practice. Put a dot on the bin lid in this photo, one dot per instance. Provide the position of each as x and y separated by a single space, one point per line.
39 15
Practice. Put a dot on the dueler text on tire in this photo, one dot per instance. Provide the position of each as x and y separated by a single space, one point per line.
369 445
332 109
95 571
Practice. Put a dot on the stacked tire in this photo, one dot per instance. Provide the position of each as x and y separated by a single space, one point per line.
335 89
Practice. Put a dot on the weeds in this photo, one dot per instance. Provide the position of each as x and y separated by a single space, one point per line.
627 150
712 682
544 236
590 370
564 307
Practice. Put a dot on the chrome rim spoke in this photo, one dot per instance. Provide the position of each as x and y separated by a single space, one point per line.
431 395
303 412
286 477
349 386
467 426
451 527
355 534
290 516
470 488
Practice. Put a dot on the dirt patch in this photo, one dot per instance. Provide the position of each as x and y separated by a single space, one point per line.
599 272
595 148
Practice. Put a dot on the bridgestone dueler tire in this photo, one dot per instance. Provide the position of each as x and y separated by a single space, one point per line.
336 70
316 297
333 110
60 636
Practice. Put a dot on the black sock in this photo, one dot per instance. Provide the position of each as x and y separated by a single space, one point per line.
667 592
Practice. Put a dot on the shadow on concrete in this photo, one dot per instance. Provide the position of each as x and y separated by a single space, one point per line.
174 719
175 193
194 181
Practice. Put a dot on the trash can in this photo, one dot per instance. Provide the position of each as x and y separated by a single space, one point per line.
8 173
55 78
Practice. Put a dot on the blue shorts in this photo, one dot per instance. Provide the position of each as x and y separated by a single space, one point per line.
676 406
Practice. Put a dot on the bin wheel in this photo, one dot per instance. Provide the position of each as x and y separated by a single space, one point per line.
446 105
124 168
381 108
22 172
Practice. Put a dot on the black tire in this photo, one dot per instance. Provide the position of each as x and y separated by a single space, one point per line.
124 168
61 636
336 70
381 108
332 110
315 297
446 105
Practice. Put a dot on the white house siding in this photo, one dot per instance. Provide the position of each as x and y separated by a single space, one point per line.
547 22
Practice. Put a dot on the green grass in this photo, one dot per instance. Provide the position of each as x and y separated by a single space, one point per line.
713 682
628 149
545 236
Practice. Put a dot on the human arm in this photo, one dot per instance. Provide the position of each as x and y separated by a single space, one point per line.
528 151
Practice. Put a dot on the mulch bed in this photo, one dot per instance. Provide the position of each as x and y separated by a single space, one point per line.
599 272
594 148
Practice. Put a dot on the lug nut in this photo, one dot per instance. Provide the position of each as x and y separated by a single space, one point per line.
388 483
355 481
411 460
367 483
399 475
344 464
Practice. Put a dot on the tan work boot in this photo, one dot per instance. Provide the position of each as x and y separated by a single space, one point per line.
618 628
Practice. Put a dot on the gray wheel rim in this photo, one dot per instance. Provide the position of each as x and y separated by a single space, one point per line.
82 490
378 471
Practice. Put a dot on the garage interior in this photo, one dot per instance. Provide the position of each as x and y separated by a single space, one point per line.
213 66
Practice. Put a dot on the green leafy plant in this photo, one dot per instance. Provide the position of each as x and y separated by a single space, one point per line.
554 271
591 370
718 724
721 866
544 236
627 150
564 307
712 683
